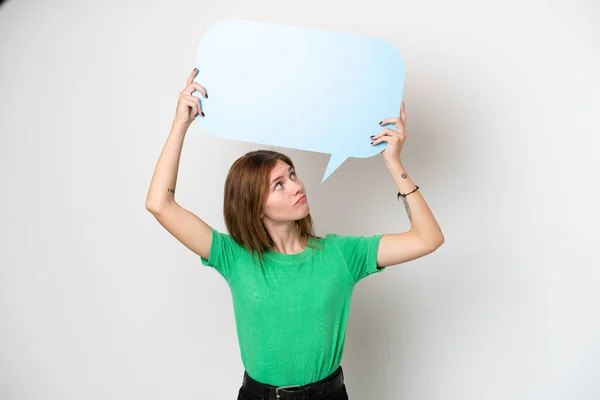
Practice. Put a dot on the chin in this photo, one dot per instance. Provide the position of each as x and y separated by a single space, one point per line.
303 215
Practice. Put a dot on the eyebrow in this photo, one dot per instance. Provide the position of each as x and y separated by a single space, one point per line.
280 176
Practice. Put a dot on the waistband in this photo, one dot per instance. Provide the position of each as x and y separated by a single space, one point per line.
314 390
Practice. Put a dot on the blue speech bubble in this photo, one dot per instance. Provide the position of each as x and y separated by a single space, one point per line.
298 88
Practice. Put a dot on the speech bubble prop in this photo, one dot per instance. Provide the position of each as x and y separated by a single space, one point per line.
298 88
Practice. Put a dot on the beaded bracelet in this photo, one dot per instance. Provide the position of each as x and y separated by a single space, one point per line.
404 195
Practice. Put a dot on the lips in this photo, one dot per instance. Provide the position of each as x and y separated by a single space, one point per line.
300 199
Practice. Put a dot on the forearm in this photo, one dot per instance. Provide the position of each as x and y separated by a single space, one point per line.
164 180
421 219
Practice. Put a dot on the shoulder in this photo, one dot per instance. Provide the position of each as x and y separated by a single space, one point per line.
223 238
353 244
340 242
224 245
337 238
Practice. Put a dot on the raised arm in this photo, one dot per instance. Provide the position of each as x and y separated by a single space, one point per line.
425 235
190 230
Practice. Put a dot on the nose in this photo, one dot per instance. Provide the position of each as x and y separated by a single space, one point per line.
297 187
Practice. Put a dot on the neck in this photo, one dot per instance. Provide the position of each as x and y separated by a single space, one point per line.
287 239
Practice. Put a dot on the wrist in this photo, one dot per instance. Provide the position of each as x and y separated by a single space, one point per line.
395 165
179 126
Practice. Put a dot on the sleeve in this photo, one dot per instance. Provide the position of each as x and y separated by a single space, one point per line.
224 254
360 254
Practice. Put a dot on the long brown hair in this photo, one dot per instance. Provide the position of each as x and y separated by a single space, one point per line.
246 190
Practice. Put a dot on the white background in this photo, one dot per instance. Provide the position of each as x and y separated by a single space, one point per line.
98 301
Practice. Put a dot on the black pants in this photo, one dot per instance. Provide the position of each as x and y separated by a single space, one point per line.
340 394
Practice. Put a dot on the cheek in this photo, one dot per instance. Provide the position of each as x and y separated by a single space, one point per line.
275 205
270 204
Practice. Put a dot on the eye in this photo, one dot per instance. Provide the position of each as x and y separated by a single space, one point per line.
292 174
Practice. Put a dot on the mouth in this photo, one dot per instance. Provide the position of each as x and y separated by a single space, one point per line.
301 200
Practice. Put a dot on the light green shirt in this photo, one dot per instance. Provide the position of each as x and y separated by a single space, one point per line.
291 314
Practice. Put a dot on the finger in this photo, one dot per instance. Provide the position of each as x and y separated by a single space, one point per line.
399 125
192 87
200 111
198 106
389 121
190 78
385 132
195 86
403 113
196 101
381 139
193 106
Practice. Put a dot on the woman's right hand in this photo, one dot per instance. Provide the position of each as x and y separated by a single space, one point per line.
188 106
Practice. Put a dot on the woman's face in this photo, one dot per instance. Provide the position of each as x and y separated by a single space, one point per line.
286 198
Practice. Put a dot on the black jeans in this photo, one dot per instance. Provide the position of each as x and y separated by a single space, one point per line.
339 394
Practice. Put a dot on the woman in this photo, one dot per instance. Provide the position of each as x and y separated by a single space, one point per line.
291 290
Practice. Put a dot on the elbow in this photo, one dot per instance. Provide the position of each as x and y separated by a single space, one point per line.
154 208
439 240
439 243
434 242
155 204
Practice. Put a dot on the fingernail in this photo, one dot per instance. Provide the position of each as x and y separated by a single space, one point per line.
194 69
380 123
371 142
372 136
207 95
203 114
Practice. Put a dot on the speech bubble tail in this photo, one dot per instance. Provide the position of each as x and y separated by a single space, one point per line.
334 162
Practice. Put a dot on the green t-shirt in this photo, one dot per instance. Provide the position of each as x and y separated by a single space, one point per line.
291 314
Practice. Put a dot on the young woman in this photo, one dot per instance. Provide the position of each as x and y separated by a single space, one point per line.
291 289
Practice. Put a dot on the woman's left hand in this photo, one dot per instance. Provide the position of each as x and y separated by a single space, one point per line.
395 139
